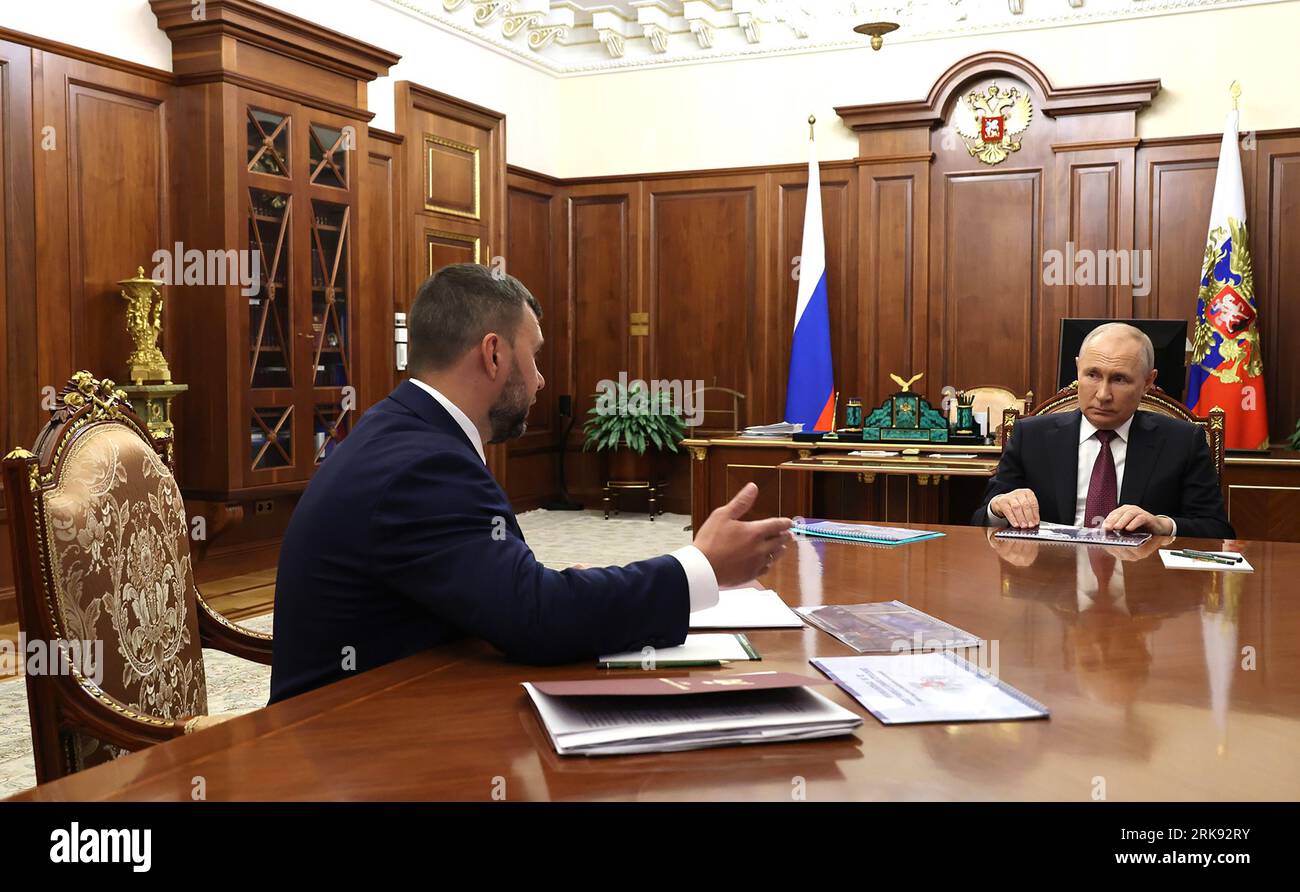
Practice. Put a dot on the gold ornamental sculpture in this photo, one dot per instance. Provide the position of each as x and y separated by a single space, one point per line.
144 306
151 389
990 121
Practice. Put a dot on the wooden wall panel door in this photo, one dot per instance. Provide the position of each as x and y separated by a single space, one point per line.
20 416
892 312
535 255
706 265
1275 244
989 230
381 279
988 243
704 290
454 190
602 225
19 387
102 205
839 219
454 179
1089 227
1175 187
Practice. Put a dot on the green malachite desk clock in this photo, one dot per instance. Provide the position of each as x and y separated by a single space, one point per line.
905 417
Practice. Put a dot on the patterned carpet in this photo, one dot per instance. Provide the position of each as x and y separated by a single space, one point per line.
558 538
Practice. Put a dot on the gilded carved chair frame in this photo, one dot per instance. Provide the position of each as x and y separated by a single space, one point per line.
60 703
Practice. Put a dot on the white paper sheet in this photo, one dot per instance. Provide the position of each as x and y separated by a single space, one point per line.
927 687
747 608
1174 562
696 649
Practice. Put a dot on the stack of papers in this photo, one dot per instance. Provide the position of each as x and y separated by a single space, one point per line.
777 431
928 687
747 608
698 650
636 714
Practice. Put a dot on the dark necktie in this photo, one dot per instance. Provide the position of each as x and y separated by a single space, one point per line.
1103 491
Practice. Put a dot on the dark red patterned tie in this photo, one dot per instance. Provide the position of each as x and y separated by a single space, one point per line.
1103 492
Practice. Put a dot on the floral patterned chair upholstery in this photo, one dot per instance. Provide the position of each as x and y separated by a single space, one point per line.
105 584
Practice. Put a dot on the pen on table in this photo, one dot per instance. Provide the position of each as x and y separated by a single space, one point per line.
1227 557
1208 558
664 664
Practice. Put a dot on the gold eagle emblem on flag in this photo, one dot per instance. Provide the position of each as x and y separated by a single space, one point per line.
990 121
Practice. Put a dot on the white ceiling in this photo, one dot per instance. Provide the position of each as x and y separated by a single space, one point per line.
573 37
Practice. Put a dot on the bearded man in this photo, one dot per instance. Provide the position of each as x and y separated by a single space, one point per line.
404 541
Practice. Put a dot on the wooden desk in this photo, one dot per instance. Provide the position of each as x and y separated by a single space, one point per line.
1149 695
1262 491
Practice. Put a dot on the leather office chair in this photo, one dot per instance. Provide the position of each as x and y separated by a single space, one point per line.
104 582
1155 400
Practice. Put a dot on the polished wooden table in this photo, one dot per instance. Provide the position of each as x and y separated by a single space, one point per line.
1174 685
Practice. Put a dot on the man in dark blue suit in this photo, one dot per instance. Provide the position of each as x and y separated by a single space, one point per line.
1108 464
403 540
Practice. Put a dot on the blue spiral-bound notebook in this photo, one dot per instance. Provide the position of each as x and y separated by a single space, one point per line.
860 532
929 687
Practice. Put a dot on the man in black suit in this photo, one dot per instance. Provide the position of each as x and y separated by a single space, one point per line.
1107 464
403 540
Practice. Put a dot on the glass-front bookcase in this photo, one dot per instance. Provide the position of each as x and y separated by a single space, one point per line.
298 192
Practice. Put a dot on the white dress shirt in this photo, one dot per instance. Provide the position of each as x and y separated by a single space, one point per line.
700 578
1089 449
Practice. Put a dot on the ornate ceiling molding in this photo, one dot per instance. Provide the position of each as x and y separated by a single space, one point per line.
578 37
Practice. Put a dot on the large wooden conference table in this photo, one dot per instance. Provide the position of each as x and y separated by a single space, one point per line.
1173 685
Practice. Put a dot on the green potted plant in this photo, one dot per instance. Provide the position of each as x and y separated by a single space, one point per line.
1295 436
626 421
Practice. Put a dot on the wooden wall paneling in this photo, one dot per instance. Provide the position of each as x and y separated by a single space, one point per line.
603 234
102 203
535 254
1275 248
704 283
382 258
708 291
987 240
892 310
1175 187
1092 212
20 415
984 304
788 197
210 212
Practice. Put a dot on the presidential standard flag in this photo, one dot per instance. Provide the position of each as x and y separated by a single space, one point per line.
1227 368
810 394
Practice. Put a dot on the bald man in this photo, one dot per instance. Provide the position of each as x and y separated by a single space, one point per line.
1106 463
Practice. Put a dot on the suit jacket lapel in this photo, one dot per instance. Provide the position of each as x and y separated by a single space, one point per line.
1063 445
1140 459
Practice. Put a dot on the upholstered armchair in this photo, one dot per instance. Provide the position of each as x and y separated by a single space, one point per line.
1154 400
105 584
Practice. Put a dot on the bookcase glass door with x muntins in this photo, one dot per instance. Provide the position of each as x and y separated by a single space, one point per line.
300 196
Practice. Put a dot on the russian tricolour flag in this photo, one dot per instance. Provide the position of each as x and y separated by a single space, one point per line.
810 395
1227 368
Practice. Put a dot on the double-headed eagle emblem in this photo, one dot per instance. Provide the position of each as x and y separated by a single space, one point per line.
989 121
